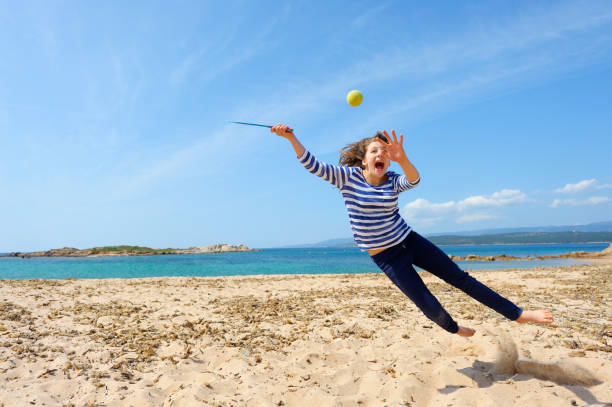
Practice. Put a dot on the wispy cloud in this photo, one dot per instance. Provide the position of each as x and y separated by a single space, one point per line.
365 18
470 63
497 199
422 205
213 58
594 200
422 208
211 151
578 187
582 186
179 74
473 64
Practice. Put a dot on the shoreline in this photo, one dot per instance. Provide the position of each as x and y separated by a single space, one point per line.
603 255
294 340
518 244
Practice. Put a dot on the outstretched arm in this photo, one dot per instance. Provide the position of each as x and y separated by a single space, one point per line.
281 130
333 174
396 153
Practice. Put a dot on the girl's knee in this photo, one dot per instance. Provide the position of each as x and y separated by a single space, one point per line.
462 280
432 309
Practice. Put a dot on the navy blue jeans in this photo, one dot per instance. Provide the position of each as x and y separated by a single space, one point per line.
397 263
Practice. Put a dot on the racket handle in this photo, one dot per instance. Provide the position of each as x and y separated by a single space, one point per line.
289 129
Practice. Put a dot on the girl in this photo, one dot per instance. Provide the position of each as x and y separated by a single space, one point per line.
370 194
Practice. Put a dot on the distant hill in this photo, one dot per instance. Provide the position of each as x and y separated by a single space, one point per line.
339 243
590 227
592 232
525 237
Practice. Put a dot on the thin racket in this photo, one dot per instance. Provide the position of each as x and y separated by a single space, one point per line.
259 125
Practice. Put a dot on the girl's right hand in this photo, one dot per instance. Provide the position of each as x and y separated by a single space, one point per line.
282 130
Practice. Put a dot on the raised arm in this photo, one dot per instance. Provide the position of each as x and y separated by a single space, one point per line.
396 153
336 175
281 130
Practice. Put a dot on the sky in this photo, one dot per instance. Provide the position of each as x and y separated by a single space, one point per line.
114 116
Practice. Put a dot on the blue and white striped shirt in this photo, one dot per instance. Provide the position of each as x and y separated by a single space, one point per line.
373 210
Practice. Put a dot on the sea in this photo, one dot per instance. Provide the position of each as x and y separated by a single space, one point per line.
268 261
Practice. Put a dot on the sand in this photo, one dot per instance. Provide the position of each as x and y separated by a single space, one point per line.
330 340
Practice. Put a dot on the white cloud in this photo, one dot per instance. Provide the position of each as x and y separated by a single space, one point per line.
424 205
475 217
497 199
420 209
594 200
578 187
366 18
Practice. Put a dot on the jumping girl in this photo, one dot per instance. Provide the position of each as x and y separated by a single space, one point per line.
370 194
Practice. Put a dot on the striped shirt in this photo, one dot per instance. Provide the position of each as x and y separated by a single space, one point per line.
373 210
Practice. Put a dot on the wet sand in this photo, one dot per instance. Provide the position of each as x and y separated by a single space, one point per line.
327 340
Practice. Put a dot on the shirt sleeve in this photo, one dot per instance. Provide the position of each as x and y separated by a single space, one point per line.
336 175
402 184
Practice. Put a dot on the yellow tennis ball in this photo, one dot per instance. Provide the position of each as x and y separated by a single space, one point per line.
354 98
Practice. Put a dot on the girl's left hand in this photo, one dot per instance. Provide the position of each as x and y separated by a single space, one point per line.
394 148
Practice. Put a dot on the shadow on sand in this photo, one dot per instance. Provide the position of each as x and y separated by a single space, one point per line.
508 367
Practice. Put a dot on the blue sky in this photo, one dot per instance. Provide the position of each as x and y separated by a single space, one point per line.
113 116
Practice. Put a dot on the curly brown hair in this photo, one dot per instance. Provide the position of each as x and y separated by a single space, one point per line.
352 154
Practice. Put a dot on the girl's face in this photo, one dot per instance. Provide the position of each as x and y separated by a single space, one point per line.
376 160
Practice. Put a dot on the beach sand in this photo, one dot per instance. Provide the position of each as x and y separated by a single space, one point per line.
302 340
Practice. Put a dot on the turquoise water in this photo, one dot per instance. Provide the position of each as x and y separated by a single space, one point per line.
269 261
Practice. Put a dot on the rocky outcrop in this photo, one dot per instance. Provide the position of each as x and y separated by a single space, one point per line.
63 252
571 255
607 252
129 251
216 248
473 257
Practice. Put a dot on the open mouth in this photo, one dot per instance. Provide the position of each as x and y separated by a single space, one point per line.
379 165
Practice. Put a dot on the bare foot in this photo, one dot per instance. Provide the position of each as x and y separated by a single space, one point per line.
540 317
465 332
